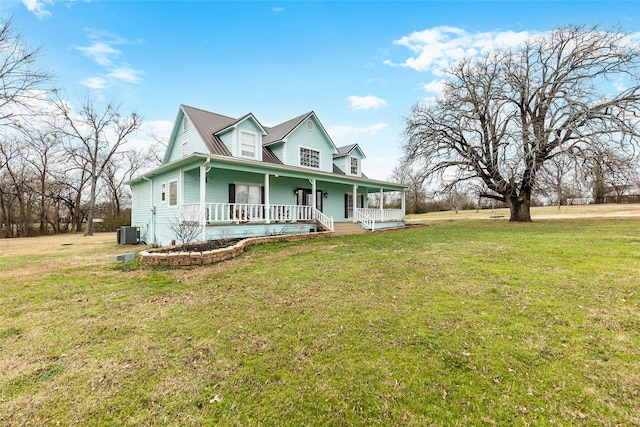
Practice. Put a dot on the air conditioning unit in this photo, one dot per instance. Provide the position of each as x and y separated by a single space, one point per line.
128 235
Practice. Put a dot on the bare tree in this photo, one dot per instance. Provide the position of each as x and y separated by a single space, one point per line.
96 136
416 193
43 154
157 149
504 115
18 181
121 168
21 77
553 180
185 231
608 170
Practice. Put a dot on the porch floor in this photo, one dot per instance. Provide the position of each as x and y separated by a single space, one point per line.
346 228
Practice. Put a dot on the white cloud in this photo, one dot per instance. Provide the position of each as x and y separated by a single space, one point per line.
37 7
100 52
125 74
96 83
436 49
277 10
348 134
368 102
103 52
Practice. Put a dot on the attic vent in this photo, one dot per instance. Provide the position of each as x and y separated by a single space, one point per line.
310 124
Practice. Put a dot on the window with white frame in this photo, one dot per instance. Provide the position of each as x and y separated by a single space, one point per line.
163 192
250 194
355 166
248 144
185 123
173 193
309 158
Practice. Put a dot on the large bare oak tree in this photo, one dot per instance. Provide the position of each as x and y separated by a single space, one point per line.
505 114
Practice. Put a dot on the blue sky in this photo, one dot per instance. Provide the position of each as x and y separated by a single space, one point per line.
359 65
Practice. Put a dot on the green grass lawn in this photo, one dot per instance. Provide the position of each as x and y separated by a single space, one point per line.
457 323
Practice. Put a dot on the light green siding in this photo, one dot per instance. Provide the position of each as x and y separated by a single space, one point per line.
340 162
141 214
228 138
313 139
278 151
187 142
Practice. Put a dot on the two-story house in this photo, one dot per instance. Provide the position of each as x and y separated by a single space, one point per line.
234 177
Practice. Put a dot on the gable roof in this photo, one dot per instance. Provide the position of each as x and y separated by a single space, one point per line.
347 149
281 131
207 124
240 120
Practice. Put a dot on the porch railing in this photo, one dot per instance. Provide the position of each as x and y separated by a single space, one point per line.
360 216
384 215
244 212
326 221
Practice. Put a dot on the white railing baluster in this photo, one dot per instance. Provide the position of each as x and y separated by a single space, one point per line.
246 212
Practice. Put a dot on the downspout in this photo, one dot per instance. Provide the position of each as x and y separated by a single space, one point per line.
153 212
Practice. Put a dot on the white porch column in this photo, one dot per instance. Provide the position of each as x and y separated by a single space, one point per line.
203 199
381 204
313 194
355 202
267 207
403 205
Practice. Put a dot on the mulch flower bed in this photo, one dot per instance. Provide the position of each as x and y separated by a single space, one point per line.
199 247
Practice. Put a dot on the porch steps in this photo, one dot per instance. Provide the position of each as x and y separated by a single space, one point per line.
346 228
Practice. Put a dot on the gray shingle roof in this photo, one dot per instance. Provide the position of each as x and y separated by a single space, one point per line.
207 124
346 149
278 132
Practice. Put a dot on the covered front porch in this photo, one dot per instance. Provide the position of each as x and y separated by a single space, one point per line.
281 201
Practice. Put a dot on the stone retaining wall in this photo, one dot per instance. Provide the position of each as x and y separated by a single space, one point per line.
186 259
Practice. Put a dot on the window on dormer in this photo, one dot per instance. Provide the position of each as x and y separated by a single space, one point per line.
355 166
248 144
185 123
309 158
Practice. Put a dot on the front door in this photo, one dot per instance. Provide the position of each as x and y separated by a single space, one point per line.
348 204
305 198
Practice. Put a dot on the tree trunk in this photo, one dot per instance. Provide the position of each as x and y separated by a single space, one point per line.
520 207
92 205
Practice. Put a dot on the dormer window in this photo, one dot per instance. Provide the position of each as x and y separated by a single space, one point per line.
248 144
355 166
185 124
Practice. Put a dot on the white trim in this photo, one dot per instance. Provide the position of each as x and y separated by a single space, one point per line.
248 184
255 145
177 193
349 167
267 198
164 188
306 124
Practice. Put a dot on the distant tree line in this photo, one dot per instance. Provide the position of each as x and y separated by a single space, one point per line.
62 169
606 178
